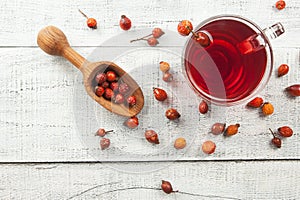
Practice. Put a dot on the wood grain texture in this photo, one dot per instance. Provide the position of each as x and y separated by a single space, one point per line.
42 102
21 20
40 112
200 180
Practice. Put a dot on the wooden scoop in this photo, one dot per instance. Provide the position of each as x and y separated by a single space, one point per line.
54 42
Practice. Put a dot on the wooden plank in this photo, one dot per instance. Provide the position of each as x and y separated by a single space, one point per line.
43 105
198 180
21 20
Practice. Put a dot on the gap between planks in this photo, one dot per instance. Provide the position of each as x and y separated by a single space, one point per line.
152 161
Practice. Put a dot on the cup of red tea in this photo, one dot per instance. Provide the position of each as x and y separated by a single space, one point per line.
236 65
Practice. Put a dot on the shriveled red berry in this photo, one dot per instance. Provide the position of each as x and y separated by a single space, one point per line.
202 38
256 102
275 141
282 70
232 130
151 136
114 86
131 100
91 22
218 128
208 147
100 78
157 32
294 90
164 66
167 77
180 143
184 27
280 4
123 88
102 132
160 94
119 98
108 94
111 76
104 143
285 131
125 23
167 187
152 41
203 107
267 109
105 84
172 114
99 91
132 122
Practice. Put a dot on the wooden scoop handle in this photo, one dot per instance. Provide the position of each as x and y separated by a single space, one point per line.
54 42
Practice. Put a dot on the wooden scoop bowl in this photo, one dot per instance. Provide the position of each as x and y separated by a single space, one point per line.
54 42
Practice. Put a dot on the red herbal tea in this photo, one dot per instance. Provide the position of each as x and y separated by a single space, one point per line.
221 70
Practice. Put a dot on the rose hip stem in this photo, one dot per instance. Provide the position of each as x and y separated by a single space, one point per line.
142 38
272 132
83 14
194 34
106 132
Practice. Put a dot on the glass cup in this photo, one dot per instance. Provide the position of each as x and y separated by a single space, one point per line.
236 65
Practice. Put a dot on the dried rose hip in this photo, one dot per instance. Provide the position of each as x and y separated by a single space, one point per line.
91 22
275 141
160 94
172 114
167 187
109 87
151 136
119 98
180 143
100 78
280 4
282 70
218 128
232 129
102 132
99 91
157 32
125 23
132 122
185 27
131 100
164 66
111 76
108 94
208 147
152 41
123 88
285 131
105 84
294 90
256 102
203 107
104 143
114 86
202 38
167 77
267 109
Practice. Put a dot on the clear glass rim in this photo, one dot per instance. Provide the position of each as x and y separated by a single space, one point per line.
268 71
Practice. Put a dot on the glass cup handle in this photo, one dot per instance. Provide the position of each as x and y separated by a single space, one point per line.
257 41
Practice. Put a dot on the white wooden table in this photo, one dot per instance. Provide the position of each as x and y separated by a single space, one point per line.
46 152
